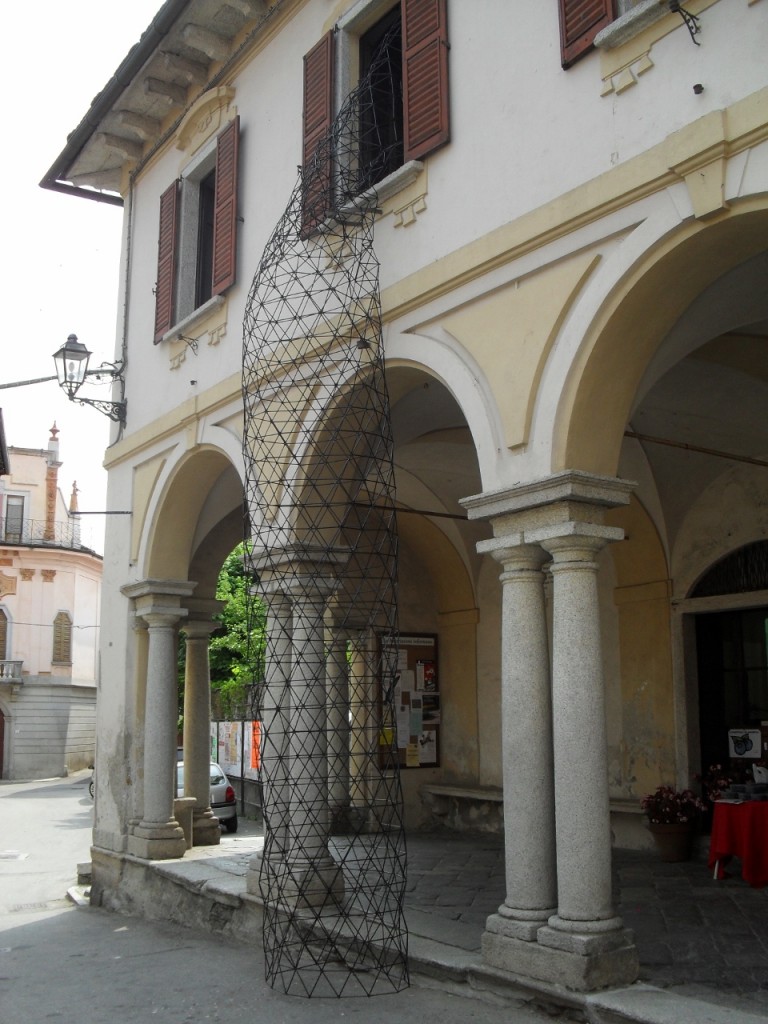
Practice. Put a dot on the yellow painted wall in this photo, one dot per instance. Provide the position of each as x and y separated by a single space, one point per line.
644 744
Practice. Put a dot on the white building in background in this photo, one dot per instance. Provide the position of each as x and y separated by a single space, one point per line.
573 247
50 596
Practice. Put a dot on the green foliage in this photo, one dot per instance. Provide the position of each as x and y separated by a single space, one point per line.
236 651
237 648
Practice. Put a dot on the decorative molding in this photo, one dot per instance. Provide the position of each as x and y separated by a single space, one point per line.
48 575
7 585
205 117
406 215
704 177
26 574
627 76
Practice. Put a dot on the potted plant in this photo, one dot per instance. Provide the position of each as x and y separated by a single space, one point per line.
672 819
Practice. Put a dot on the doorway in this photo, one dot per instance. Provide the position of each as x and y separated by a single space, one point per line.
732 653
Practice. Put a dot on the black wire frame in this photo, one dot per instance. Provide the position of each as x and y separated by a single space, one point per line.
322 552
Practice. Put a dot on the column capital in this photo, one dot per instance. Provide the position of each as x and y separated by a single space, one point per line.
572 486
575 541
514 553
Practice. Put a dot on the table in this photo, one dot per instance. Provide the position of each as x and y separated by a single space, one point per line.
741 830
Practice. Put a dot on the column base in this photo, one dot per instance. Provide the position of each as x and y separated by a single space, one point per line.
206 830
157 841
580 972
518 924
302 884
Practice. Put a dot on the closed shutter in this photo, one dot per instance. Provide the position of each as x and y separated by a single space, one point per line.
318 117
165 287
62 639
426 122
580 21
3 637
225 208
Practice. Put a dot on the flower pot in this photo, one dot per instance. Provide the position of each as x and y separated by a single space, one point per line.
674 841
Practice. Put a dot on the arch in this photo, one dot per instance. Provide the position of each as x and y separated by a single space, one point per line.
599 383
197 494
441 356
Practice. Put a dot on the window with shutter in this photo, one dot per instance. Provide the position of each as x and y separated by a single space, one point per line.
405 112
3 635
14 519
580 21
62 639
197 237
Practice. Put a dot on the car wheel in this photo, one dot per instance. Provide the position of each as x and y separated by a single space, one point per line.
90 788
230 824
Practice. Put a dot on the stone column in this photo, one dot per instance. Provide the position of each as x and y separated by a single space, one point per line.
314 878
275 721
197 731
585 922
360 719
337 696
526 738
158 835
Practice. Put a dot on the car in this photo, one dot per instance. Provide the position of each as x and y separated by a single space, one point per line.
223 800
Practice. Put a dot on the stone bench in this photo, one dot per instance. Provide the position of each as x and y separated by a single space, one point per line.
465 808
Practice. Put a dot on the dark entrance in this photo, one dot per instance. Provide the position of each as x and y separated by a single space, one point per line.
2 739
732 651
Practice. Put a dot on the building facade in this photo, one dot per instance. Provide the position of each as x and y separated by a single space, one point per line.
50 597
572 235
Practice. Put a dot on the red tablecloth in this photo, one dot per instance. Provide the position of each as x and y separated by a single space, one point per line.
741 830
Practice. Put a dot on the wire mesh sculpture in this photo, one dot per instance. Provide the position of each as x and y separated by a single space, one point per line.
323 553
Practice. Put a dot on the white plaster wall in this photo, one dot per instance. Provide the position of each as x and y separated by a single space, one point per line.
51 729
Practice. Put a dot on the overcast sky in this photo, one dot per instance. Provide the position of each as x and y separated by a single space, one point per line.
62 253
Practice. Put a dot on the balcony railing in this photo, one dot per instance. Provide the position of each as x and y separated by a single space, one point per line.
10 672
37 531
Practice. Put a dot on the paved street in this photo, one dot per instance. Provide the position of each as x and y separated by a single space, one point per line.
75 965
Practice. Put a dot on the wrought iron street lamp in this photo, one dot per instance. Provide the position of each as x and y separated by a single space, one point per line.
71 370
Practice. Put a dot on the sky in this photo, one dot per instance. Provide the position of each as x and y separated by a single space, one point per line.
62 253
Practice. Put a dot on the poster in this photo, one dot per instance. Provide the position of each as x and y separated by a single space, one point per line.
416 699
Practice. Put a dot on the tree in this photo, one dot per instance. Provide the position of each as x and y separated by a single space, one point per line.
237 649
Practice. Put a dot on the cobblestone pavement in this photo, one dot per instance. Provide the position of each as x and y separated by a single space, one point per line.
695 936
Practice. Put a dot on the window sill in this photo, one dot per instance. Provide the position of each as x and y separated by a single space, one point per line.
388 187
628 25
189 322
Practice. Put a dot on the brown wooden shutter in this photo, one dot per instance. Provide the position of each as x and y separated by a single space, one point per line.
318 117
62 639
165 287
580 21
225 208
426 122
3 635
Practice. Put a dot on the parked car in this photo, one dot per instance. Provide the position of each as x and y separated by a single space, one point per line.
223 801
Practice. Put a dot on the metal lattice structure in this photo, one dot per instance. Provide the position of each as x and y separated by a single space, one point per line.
323 554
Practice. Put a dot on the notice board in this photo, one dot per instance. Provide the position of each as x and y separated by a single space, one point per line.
416 699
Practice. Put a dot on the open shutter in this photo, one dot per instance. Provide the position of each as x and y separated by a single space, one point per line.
318 116
425 77
225 208
580 21
165 286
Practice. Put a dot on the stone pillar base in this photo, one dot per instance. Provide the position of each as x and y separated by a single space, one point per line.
157 842
580 972
206 830
304 885
518 924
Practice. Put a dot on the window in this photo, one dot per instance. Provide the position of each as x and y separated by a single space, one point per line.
62 639
14 519
198 233
405 112
581 20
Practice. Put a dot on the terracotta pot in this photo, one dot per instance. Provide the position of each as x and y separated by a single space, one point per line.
674 841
